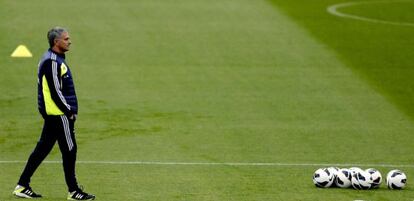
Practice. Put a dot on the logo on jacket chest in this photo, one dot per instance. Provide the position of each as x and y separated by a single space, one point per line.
63 70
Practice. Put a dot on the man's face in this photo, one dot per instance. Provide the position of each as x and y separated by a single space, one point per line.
63 42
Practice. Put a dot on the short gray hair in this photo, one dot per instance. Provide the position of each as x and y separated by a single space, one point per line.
54 33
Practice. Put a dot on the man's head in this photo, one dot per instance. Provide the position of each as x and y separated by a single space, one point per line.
59 39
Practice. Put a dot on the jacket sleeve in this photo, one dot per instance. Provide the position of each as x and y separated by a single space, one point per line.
52 73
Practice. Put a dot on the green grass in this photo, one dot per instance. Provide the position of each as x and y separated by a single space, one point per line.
398 11
379 53
212 82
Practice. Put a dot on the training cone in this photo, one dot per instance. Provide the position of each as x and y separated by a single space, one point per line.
21 51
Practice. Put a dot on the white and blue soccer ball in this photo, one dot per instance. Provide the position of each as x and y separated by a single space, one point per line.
376 177
323 178
343 178
355 170
361 180
334 171
396 179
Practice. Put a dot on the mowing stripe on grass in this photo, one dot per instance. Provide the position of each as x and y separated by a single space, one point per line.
223 164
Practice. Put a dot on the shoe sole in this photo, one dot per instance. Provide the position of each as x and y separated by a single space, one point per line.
22 195
76 199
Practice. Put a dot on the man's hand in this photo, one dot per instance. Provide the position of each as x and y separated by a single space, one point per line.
73 117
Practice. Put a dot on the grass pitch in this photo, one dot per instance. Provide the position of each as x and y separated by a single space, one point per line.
213 82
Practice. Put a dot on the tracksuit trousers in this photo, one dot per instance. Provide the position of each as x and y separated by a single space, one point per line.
60 129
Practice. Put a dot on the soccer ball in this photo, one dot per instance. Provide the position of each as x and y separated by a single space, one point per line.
355 170
323 178
343 178
334 171
376 177
361 180
396 179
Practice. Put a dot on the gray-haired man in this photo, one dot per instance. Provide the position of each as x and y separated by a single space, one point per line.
58 106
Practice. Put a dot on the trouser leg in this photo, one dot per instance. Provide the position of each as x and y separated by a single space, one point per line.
68 148
42 149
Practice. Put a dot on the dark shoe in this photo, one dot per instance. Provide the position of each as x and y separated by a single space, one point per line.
25 192
80 195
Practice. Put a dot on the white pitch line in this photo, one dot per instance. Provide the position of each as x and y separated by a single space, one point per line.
222 164
333 9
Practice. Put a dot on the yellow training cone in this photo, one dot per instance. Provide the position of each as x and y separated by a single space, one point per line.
21 51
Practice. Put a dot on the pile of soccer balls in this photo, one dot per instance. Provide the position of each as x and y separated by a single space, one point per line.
357 178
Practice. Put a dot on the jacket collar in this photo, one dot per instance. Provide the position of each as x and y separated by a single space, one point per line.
60 55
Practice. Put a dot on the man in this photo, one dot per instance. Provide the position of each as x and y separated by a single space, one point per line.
58 105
